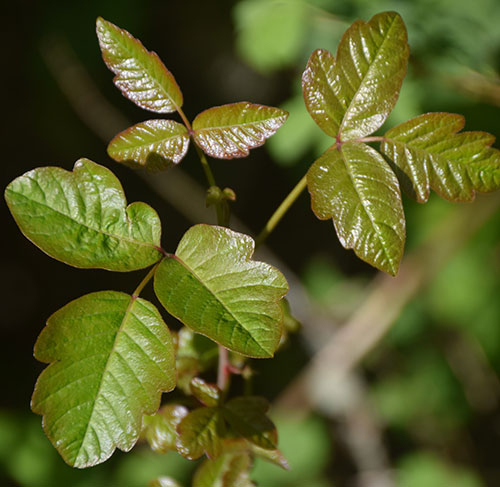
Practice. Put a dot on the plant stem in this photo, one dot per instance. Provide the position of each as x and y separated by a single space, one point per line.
143 283
223 372
280 212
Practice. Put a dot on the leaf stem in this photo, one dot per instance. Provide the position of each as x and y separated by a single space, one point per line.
281 211
143 283
223 372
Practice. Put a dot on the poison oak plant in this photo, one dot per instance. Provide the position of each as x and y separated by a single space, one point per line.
110 353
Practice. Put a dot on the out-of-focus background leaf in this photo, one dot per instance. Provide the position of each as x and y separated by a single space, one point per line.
431 384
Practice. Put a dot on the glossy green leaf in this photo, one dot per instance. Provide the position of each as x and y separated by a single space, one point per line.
81 218
247 417
110 356
160 429
208 394
231 469
140 74
273 456
212 286
202 431
153 144
352 96
359 191
164 482
232 130
431 154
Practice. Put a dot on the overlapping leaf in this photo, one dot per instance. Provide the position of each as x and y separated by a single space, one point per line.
160 430
359 191
140 75
81 218
353 96
231 469
153 144
213 287
208 394
431 154
111 356
205 430
232 130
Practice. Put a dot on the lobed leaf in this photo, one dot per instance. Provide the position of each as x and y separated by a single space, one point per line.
352 97
110 356
81 218
430 153
140 74
232 130
153 144
357 189
160 429
213 287
231 469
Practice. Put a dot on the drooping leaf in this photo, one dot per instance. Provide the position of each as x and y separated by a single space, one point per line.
110 356
231 469
81 218
153 144
212 286
160 429
431 154
272 456
359 191
232 130
247 417
202 431
352 96
209 429
208 394
140 74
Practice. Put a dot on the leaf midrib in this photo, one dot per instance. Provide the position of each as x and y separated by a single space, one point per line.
119 237
221 127
344 118
219 300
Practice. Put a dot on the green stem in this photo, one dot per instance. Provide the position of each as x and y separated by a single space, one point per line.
280 212
143 283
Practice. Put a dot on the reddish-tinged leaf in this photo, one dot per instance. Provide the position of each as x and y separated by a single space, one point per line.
160 429
232 130
208 394
140 74
357 189
431 154
154 144
353 96
201 431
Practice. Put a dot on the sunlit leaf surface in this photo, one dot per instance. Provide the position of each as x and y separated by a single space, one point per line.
82 218
359 191
153 144
111 356
431 154
212 286
232 130
140 74
352 96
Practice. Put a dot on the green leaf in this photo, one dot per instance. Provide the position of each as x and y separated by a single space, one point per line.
247 417
164 482
160 429
81 218
231 469
201 431
212 286
358 189
232 130
272 456
431 154
208 394
111 356
154 144
353 96
140 74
